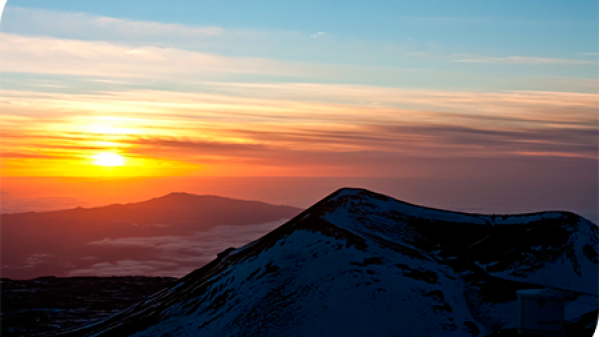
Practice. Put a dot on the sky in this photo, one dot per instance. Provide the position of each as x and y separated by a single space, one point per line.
447 91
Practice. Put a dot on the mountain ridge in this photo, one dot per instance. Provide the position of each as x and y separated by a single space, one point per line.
351 263
55 242
168 197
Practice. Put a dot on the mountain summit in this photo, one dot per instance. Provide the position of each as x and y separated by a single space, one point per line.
359 263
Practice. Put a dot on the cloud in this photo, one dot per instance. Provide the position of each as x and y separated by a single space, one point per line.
133 267
89 27
34 260
229 120
175 255
144 44
302 126
27 155
97 58
19 205
465 58
88 64
92 27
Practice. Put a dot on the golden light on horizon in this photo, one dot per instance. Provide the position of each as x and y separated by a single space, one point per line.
108 159
109 130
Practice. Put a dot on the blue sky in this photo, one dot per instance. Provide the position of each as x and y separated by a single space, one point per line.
548 27
544 29
459 44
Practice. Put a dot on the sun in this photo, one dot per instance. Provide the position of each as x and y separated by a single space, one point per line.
108 159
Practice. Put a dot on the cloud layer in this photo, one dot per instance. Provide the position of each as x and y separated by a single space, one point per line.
174 255
303 126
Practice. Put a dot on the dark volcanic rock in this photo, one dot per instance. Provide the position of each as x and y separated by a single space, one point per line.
51 304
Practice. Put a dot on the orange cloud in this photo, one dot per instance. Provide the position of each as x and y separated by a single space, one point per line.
292 128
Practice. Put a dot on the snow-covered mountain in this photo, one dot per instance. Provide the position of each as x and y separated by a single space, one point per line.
359 263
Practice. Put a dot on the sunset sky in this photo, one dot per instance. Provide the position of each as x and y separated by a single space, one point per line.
430 89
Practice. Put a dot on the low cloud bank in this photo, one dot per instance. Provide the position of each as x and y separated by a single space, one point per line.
175 255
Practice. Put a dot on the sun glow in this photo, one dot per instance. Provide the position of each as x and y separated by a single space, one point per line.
109 130
108 159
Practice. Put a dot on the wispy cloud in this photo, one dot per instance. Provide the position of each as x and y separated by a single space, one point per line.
92 27
465 58
95 58
303 128
19 205
89 27
36 259
150 40
133 267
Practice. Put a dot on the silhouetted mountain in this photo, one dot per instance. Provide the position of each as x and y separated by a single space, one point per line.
363 264
55 243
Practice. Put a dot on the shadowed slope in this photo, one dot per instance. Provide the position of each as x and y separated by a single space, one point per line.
359 263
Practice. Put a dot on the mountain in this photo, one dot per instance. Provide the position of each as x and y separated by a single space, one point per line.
359 263
61 243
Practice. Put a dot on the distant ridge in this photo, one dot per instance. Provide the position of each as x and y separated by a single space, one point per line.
50 243
358 263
